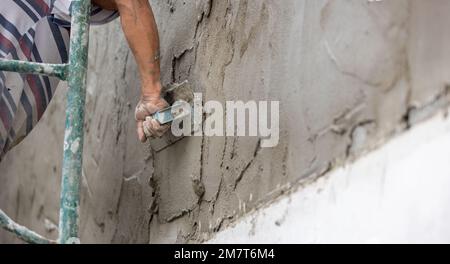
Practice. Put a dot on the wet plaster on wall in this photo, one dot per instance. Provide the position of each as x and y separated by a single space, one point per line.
348 75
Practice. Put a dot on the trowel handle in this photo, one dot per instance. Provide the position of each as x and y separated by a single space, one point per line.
178 110
164 116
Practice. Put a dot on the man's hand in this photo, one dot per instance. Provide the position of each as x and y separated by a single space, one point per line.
141 32
147 127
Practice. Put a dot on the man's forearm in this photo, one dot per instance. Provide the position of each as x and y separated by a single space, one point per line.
139 26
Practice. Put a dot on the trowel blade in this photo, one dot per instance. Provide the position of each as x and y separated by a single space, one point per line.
175 92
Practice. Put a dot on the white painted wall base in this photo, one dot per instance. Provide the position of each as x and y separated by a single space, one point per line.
400 193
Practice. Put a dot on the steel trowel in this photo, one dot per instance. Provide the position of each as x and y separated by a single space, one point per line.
177 95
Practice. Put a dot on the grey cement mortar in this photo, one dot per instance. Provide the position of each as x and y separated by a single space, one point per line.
348 75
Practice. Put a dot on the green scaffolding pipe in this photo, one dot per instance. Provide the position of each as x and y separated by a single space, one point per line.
57 70
74 134
22 232
75 73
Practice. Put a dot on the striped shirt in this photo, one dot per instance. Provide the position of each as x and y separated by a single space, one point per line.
32 30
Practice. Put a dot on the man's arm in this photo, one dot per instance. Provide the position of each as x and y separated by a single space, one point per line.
141 32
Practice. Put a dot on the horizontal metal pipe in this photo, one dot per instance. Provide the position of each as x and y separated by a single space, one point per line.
57 70
22 232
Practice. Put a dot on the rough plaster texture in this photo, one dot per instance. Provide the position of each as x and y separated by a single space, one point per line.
348 75
396 194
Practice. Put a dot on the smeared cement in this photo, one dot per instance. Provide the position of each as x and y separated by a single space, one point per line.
396 194
348 75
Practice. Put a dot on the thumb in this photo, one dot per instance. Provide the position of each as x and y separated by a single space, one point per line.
141 112
140 131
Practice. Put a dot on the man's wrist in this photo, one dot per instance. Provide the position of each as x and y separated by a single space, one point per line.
153 90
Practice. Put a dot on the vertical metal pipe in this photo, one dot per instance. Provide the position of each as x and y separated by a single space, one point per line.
74 134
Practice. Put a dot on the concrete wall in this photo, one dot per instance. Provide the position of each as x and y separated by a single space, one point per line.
348 74
395 194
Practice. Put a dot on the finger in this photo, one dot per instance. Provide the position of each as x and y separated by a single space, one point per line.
148 128
140 131
152 126
147 131
141 112
157 129
163 130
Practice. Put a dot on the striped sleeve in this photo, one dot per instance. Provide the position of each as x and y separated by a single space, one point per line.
61 12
